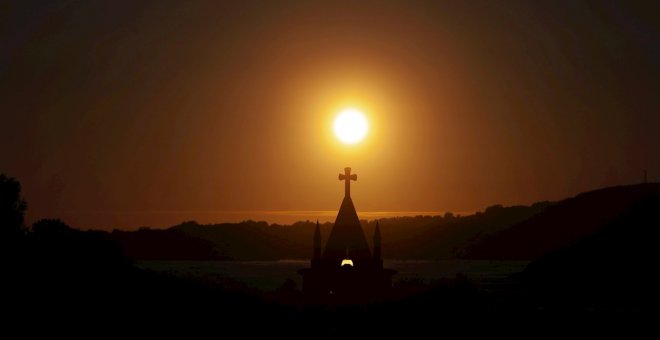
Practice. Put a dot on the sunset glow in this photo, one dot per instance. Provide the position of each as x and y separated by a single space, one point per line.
122 128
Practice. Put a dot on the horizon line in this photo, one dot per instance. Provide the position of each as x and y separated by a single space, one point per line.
272 212
158 219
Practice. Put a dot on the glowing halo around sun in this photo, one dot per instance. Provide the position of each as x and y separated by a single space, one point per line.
350 126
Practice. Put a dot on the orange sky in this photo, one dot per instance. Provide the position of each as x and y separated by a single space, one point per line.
123 115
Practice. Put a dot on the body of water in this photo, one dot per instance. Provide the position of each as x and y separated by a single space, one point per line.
269 275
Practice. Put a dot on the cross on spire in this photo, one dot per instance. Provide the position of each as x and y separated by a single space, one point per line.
347 178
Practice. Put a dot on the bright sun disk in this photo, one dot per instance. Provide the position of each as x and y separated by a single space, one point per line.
350 126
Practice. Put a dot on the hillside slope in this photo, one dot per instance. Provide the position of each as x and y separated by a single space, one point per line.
563 224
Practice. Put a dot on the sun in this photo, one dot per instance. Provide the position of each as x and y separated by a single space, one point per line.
351 126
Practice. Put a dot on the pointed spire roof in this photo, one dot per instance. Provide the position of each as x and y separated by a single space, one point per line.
347 237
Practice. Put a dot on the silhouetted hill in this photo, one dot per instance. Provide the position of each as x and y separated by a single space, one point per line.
497 233
611 269
564 223
444 237
252 240
419 237
171 244
79 279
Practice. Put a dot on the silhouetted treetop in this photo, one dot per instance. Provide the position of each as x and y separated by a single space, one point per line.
50 228
12 208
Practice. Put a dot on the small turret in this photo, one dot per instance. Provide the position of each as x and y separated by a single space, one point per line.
316 257
377 252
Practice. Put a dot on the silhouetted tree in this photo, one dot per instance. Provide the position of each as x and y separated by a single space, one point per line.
49 228
12 208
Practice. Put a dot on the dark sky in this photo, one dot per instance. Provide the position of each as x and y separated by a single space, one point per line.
118 114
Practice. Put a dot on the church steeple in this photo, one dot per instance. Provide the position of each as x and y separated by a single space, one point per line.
346 268
347 232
